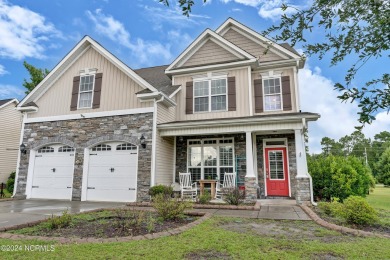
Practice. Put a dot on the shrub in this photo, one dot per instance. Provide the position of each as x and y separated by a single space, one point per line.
331 208
383 166
205 197
11 182
161 189
233 196
129 219
56 222
337 176
170 208
356 210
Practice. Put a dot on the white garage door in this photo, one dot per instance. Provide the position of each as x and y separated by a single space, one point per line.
112 172
53 172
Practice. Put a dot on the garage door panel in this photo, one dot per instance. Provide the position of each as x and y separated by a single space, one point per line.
112 195
114 159
53 174
112 175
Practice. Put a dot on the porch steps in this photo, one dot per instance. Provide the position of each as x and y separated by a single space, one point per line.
277 202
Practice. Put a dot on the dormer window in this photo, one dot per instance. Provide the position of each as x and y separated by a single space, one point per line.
87 83
272 94
210 95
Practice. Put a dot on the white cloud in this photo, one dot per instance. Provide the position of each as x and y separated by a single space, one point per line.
10 91
173 16
2 70
144 51
267 9
23 33
337 119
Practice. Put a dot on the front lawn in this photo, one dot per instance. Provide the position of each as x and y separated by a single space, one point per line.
226 238
380 200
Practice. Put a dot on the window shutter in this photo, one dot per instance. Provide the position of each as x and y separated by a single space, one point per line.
232 93
258 83
286 91
189 97
75 93
97 90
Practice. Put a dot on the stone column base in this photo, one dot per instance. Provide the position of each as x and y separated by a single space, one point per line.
250 189
303 195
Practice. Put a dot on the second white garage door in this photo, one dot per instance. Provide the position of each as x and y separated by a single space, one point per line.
112 172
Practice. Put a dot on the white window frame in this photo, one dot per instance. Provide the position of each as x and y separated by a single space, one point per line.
217 145
209 96
85 73
271 75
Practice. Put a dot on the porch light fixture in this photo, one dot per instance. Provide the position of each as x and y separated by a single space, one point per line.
242 137
142 141
181 139
23 149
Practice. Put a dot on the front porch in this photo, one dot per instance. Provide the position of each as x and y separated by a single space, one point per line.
267 154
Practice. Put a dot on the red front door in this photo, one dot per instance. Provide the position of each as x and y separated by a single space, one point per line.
276 171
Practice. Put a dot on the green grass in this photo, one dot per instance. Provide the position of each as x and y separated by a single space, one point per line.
380 200
7 194
213 236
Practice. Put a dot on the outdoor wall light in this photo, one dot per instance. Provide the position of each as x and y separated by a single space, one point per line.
242 137
181 139
23 149
142 141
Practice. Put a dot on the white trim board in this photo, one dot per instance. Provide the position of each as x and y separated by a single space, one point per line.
9 102
91 115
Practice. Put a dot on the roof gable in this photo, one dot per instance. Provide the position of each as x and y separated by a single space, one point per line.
231 26
209 37
6 102
83 46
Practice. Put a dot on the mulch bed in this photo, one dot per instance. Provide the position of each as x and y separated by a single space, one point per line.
375 228
108 224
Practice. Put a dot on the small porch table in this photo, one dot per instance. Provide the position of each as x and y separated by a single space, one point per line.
213 184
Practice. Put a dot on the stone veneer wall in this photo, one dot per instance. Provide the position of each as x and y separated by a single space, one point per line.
82 133
303 190
291 160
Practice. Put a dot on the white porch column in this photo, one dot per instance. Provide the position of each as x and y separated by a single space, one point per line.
300 154
250 172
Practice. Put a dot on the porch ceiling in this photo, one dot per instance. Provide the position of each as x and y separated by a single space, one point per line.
265 123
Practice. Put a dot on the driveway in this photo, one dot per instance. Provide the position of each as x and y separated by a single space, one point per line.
15 212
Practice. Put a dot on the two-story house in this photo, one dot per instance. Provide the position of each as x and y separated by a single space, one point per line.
95 129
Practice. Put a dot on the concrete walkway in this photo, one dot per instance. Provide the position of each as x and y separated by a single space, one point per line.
15 212
269 209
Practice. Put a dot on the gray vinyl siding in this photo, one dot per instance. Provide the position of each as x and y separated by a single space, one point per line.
118 90
209 53
164 147
250 46
9 140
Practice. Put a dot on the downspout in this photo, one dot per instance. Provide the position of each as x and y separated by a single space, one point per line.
307 170
154 139
311 189
19 154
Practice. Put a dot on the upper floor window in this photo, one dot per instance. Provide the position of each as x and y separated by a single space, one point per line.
210 95
272 94
86 91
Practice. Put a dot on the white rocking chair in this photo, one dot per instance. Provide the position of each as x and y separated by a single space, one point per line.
187 188
229 181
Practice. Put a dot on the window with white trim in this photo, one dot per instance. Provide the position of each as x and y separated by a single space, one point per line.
87 83
210 158
210 95
272 94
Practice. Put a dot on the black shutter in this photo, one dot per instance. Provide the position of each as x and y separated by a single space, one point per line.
189 97
232 93
75 93
286 92
97 90
258 84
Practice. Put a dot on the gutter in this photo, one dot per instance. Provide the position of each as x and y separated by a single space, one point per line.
27 109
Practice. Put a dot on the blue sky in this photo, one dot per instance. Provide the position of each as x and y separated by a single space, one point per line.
144 33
